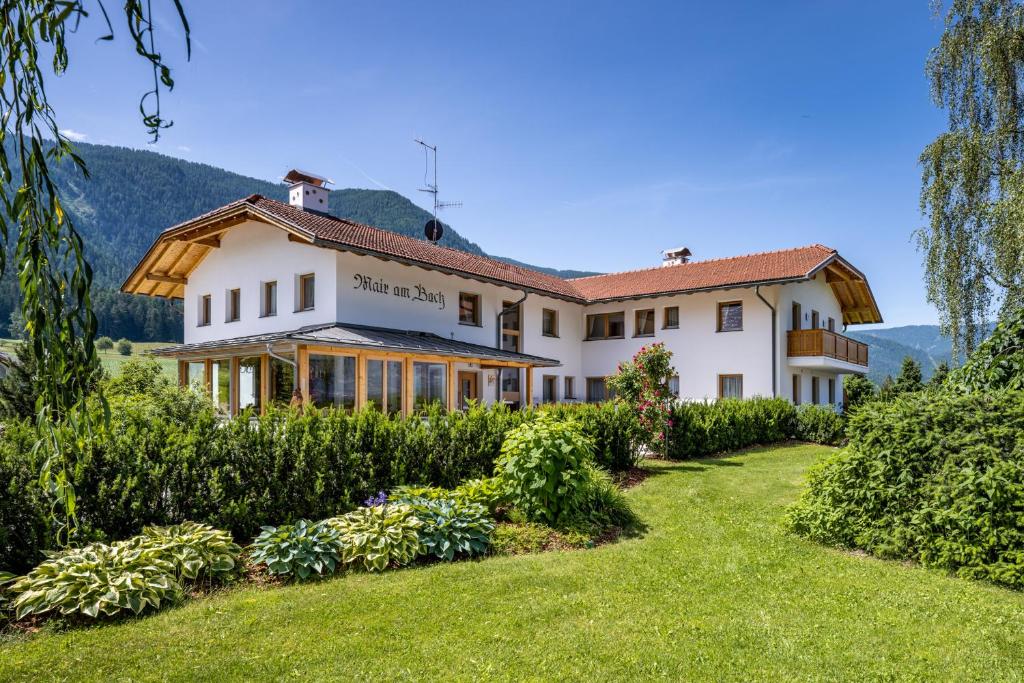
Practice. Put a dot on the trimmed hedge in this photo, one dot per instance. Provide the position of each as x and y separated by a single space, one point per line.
698 429
937 478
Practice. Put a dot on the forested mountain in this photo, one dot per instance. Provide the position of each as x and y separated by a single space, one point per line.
131 195
923 343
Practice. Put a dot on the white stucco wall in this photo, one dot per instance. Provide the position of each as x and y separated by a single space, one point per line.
815 295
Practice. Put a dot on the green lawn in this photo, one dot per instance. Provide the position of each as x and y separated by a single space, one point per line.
714 590
112 360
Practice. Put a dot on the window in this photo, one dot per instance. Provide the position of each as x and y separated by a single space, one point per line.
469 309
815 390
832 390
220 384
510 341
306 292
673 385
730 316
570 388
672 317
796 390
429 384
644 323
282 381
815 320
234 311
332 381
831 324
597 390
196 374
549 392
205 306
796 317
606 326
730 386
268 304
549 323
384 385
249 393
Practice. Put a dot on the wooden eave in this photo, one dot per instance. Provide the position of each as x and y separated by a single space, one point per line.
851 289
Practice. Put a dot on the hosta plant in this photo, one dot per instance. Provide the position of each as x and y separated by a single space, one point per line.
486 492
451 527
194 549
428 492
299 550
97 580
374 537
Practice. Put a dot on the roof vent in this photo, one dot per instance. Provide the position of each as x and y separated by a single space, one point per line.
674 257
307 191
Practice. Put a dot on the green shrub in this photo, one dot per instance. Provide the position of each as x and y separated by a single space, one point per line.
698 429
195 550
600 504
124 347
518 538
998 362
485 492
97 581
24 510
372 538
298 550
541 467
858 390
937 478
104 343
428 492
819 424
450 527
613 428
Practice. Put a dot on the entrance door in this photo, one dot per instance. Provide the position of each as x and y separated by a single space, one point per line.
468 389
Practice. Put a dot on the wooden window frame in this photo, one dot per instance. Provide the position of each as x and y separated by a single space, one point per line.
476 309
234 306
636 322
831 324
302 304
815 319
797 315
796 389
606 317
553 398
832 391
587 381
363 382
721 384
268 304
554 317
718 310
665 323
569 388
205 316
815 390
517 312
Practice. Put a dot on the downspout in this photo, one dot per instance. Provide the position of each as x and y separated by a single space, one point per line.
775 353
497 336
289 361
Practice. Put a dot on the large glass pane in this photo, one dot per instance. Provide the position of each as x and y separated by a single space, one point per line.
197 374
616 324
332 381
249 383
595 326
430 383
221 380
510 342
395 382
510 380
375 384
282 381
510 321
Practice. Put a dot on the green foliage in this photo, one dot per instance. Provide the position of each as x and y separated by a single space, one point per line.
600 504
939 376
642 384
451 527
195 550
124 347
97 581
25 525
486 492
859 390
373 538
405 492
612 427
907 382
518 538
541 465
697 429
819 424
933 477
299 550
998 363
104 343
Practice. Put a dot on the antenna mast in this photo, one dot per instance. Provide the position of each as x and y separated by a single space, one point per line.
433 229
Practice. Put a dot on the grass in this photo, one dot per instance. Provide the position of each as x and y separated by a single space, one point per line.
112 360
715 590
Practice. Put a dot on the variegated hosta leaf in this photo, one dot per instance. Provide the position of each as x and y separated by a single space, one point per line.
300 550
375 537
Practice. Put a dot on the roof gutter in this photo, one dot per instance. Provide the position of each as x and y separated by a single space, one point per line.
775 353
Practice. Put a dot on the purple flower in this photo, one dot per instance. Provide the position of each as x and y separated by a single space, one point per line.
374 501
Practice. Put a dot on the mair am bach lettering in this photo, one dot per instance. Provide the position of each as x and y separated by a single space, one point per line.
377 285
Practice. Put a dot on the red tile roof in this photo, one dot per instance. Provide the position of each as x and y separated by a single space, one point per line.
765 267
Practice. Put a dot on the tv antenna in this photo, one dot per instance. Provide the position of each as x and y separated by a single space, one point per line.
433 229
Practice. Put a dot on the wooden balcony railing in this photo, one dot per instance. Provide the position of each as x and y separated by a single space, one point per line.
821 342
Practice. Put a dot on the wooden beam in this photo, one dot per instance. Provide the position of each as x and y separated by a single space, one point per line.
451 386
529 387
209 241
302 359
264 382
172 279
295 238
407 397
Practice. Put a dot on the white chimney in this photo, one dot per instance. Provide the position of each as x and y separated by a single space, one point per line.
674 257
307 191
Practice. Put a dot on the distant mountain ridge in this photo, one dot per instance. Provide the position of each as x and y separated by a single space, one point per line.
923 343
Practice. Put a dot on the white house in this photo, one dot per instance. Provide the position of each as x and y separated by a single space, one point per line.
283 296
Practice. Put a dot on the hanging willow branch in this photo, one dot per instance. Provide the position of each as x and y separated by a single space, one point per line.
53 274
973 174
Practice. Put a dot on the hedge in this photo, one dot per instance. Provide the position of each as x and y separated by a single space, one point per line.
698 429
937 478
166 458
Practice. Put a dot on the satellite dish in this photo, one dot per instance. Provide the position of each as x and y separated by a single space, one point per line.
433 230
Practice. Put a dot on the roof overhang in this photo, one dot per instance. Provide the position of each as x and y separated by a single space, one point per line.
851 288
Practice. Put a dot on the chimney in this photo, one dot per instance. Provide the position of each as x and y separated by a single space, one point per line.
307 191
674 257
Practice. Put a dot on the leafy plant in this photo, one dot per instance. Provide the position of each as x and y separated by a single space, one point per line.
373 538
998 362
450 527
540 467
859 390
517 538
486 492
429 492
97 580
642 384
600 503
194 549
728 424
299 550
819 424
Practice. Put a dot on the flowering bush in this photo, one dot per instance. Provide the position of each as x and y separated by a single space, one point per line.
643 385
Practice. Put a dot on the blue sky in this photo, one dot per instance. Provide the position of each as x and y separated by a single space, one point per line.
589 135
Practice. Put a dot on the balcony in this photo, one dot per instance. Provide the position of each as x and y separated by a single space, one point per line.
826 350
